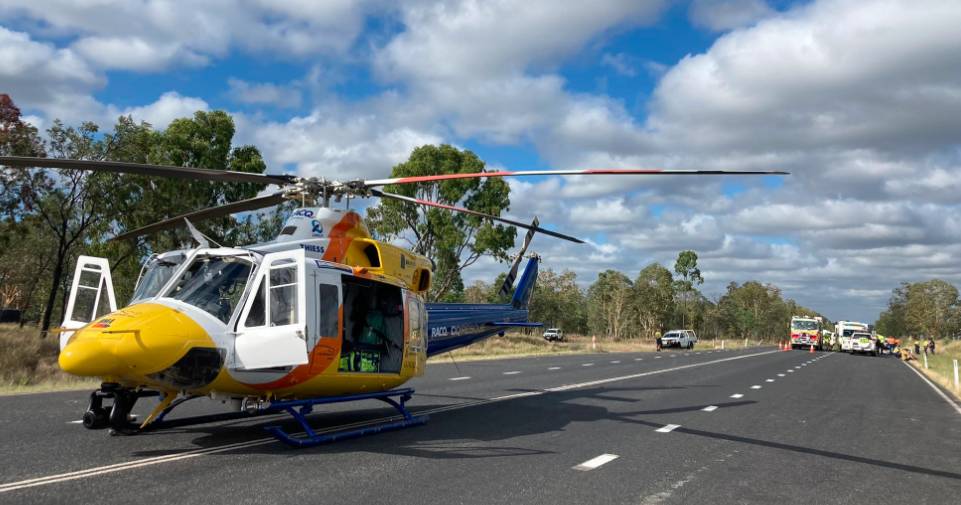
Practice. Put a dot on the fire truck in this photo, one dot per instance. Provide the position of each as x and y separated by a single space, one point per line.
805 332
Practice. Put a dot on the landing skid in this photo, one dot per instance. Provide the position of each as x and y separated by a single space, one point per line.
299 409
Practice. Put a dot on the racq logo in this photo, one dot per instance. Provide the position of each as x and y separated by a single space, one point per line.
304 213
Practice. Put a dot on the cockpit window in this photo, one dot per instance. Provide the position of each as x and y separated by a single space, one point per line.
156 273
214 284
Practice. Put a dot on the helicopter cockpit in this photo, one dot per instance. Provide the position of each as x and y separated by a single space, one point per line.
213 283
156 273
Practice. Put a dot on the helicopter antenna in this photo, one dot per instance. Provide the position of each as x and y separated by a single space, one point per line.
201 239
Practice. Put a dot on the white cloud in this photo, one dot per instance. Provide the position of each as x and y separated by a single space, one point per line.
722 15
169 106
284 96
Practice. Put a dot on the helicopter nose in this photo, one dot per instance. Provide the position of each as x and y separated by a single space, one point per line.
132 343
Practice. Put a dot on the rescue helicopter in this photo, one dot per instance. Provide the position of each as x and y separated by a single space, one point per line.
323 313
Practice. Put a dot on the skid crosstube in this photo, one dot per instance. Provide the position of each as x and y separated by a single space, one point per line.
299 409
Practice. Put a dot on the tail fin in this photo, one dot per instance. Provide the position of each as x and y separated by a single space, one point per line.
525 287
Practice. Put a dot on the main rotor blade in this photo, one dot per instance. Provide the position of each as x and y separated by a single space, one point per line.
474 213
590 171
203 174
219 211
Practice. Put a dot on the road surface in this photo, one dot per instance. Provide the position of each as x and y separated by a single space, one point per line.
748 426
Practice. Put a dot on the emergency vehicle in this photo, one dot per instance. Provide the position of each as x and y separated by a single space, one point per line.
805 332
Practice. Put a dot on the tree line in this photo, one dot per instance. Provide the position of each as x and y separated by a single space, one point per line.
930 309
654 301
49 217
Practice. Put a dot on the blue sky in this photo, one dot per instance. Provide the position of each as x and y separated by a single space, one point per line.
857 98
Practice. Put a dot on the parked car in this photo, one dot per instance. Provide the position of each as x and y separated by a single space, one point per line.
685 339
554 335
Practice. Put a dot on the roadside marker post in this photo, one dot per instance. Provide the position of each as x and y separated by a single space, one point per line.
722 345
956 384
925 360
594 342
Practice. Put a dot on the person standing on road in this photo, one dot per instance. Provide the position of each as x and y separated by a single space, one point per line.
657 342
878 345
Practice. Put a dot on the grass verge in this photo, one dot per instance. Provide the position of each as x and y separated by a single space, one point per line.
28 364
941 365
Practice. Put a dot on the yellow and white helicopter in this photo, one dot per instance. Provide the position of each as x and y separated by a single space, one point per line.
321 314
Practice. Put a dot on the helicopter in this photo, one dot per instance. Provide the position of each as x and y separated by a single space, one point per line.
322 313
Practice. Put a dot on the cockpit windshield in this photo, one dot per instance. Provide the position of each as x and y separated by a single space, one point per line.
213 284
801 324
156 273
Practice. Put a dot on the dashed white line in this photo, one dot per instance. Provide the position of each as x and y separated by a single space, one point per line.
658 357
737 395
768 380
616 361
553 368
790 371
755 387
79 421
459 378
668 428
512 372
593 463
780 375
588 364
798 367
638 359
710 408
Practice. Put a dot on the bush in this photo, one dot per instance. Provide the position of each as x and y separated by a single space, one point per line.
27 359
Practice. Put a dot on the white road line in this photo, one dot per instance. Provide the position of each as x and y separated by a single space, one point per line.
553 368
658 357
768 380
710 408
459 378
957 408
593 463
79 421
780 375
615 362
512 372
737 395
755 387
798 367
588 364
668 428
189 454
790 371
638 359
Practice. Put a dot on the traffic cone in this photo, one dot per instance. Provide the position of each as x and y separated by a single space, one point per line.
812 348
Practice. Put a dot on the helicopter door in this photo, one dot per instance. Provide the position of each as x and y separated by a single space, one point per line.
91 295
271 329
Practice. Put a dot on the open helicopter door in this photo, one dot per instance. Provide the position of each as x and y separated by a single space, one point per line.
91 295
271 331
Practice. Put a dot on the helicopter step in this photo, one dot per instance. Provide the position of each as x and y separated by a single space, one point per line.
299 409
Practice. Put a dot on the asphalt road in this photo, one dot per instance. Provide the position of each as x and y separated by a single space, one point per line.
786 427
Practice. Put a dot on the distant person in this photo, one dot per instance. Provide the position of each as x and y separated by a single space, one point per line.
917 347
878 345
657 343
930 346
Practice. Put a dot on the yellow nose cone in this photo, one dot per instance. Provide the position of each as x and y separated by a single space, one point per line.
132 343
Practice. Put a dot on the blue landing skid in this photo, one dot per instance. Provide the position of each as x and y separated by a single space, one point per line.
299 409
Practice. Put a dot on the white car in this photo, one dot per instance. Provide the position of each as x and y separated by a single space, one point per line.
553 335
685 339
860 342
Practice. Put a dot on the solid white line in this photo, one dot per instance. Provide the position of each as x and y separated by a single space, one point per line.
117 467
593 463
588 364
936 389
553 368
737 395
755 387
512 372
710 408
769 380
459 378
668 428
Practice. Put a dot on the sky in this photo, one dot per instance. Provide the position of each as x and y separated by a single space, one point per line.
859 99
